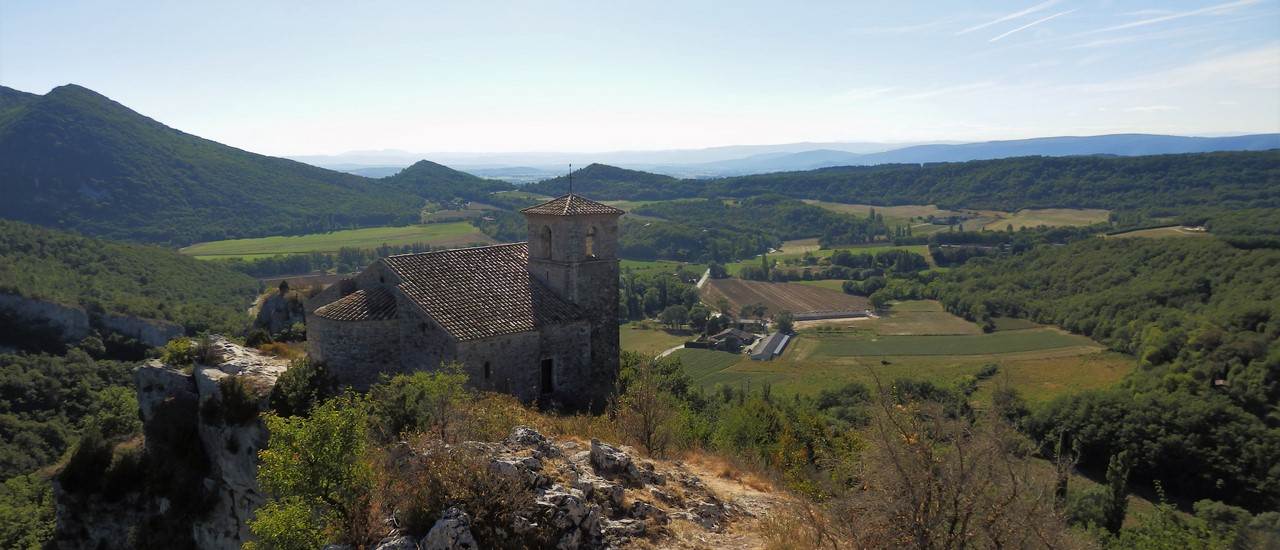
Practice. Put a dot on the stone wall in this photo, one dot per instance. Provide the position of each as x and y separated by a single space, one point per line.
570 347
77 323
355 351
513 363
422 341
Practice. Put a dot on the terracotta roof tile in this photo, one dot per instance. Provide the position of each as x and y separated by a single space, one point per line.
376 305
481 292
571 205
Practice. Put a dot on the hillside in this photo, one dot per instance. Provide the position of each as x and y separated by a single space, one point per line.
604 182
441 183
76 160
1219 180
113 277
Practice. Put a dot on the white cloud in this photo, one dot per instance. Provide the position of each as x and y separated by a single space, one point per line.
1179 15
1259 68
1031 24
1151 108
1009 17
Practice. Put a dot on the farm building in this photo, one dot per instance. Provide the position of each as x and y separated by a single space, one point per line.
538 319
770 346
731 339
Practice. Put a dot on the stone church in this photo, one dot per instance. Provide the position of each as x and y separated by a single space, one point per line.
538 320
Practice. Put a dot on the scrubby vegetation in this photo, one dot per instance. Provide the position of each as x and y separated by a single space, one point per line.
103 276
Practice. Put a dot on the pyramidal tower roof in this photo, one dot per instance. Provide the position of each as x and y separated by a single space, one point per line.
571 205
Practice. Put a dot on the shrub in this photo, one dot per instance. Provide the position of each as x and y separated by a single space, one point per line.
278 349
257 338
83 473
442 477
178 351
300 388
421 402
239 404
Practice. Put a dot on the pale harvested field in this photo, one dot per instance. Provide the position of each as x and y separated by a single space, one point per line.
1052 217
904 212
778 296
1160 233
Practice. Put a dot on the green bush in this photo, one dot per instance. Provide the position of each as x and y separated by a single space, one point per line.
83 473
239 404
300 388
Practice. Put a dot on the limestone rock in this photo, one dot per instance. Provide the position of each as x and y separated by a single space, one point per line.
397 542
451 532
577 521
526 437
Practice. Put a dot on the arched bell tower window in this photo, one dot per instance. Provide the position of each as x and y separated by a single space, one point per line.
544 247
591 242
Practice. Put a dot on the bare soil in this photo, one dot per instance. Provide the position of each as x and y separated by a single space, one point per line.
778 296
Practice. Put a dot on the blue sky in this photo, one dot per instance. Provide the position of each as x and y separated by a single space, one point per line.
293 78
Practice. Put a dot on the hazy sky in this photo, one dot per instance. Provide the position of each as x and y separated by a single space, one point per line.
291 78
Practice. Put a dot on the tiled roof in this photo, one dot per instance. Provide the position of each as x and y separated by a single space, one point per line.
376 305
571 205
481 292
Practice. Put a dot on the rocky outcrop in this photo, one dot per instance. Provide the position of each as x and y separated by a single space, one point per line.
596 499
77 323
279 312
224 480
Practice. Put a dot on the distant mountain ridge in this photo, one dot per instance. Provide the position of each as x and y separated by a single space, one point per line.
75 160
757 159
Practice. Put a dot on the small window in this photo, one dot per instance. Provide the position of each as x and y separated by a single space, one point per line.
547 375
488 371
544 247
591 242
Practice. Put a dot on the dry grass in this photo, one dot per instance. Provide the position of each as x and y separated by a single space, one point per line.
1160 233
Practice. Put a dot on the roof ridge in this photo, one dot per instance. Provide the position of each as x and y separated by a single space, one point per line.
566 205
465 248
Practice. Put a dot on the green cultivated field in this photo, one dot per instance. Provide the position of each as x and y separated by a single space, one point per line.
643 267
455 234
976 344
919 341
701 363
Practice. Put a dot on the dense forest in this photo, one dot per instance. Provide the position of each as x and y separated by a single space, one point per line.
1229 180
105 276
1202 319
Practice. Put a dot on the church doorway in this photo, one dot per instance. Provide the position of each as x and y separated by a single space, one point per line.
547 379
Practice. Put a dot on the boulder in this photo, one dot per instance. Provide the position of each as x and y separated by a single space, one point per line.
451 532
526 437
397 542
576 520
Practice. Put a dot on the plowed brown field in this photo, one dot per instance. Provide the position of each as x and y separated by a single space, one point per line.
778 296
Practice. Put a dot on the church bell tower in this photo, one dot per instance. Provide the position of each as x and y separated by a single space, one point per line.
573 250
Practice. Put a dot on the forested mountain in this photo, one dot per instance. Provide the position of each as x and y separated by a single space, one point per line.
1201 316
603 182
1228 180
440 183
73 159
1232 180
106 276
